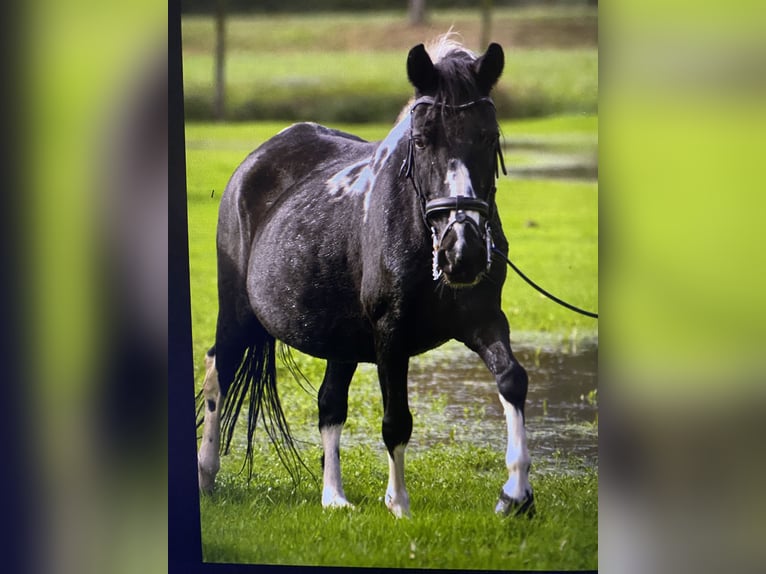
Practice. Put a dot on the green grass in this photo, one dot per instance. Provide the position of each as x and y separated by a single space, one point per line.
320 86
452 484
340 31
552 231
453 491
352 68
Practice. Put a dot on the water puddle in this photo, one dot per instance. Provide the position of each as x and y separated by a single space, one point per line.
454 397
572 158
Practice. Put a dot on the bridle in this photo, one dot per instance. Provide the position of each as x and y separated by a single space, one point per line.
457 206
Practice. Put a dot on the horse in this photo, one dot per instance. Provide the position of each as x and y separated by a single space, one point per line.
359 252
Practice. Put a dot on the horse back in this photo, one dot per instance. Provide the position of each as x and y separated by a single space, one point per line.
281 163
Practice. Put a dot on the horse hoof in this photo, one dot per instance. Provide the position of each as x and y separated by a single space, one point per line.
338 503
507 506
397 509
206 482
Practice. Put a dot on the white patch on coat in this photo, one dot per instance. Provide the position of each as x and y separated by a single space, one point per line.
516 456
397 499
358 179
332 486
355 179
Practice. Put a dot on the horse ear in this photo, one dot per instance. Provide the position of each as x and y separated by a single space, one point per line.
421 70
489 67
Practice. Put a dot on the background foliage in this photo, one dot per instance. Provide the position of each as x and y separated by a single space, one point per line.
356 72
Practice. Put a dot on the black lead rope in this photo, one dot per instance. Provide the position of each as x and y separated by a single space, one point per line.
541 290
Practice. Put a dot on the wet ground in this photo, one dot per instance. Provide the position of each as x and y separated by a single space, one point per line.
570 156
561 409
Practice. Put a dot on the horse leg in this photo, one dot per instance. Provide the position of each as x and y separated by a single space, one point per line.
221 364
333 409
397 429
208 457
492 343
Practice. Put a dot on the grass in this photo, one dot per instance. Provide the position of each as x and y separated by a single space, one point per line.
294 87
271 521
372 31
298 68
453 484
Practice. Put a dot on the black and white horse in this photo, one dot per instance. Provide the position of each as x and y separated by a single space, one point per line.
367 252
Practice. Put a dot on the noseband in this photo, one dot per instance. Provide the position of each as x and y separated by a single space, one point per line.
456 206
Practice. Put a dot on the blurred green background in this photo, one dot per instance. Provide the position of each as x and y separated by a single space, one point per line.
349 66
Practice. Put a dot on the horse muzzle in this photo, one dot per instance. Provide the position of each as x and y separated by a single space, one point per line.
462 252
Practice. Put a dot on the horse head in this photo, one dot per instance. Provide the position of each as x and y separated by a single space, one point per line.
453 154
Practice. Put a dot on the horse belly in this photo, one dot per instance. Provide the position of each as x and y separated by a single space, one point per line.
315 322
303 289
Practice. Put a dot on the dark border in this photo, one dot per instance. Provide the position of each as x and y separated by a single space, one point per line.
184 536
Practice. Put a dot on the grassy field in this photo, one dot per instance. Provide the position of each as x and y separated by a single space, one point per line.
552 229
551 63
453 489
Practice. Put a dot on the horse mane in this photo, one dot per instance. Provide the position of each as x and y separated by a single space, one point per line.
445 44
454 63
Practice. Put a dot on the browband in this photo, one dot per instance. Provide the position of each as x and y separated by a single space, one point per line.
406 169
430 101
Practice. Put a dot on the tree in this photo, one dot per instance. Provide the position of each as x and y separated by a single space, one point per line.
219 103
417 12
486 24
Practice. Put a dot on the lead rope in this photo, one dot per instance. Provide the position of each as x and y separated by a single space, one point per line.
541 290
500 163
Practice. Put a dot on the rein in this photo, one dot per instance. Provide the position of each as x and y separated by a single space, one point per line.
457 206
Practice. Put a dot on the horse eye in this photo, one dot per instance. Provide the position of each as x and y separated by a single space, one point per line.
419 142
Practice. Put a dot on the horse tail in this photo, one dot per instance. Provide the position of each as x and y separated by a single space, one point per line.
255 384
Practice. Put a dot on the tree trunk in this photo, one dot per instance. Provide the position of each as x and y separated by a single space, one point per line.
486 24
417 12
220 60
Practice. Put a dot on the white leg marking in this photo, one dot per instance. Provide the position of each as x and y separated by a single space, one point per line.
397 499
516 456
208 457
332 489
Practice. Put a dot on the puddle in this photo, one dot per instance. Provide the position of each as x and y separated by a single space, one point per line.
560 418
577 169
454 399
552 158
